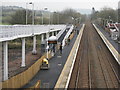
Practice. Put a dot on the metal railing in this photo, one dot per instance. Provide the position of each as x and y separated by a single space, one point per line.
116 27
67 35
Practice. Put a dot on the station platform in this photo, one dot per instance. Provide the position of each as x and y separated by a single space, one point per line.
106 34
112 45
49 77
66 74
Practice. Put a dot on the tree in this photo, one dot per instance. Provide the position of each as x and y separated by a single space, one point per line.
108 13
67 16
55 17
118 11
20 17
63 17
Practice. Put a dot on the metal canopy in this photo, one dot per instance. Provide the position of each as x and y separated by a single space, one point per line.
52 40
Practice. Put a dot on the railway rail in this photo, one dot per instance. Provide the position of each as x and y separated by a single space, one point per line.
95 67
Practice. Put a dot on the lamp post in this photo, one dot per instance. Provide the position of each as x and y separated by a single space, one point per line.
48 33
34 37
73 20
42 17
46 9
110 20
57 17
26 13
32 13
79 20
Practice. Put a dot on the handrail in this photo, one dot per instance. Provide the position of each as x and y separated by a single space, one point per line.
67 35
116 27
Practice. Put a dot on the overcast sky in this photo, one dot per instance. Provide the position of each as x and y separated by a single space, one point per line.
58 5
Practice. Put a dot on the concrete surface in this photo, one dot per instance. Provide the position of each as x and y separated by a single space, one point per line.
49 77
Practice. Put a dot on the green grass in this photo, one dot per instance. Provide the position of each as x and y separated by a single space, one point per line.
17 43
4 23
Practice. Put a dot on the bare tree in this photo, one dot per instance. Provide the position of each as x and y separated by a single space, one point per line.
20 16
108 13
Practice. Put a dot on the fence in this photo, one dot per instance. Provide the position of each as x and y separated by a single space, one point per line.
23 78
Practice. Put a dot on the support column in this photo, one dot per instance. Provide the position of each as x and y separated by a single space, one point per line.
34 52
57 31
1 65
42 37
47 35
23 53
5 60
50 34
53 33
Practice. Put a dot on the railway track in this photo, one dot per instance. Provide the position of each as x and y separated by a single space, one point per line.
95 67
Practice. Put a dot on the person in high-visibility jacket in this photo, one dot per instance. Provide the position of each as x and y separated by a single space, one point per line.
45 61
45 64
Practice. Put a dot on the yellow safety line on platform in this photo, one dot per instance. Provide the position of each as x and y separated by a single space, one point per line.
109 45
64 78
37 84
